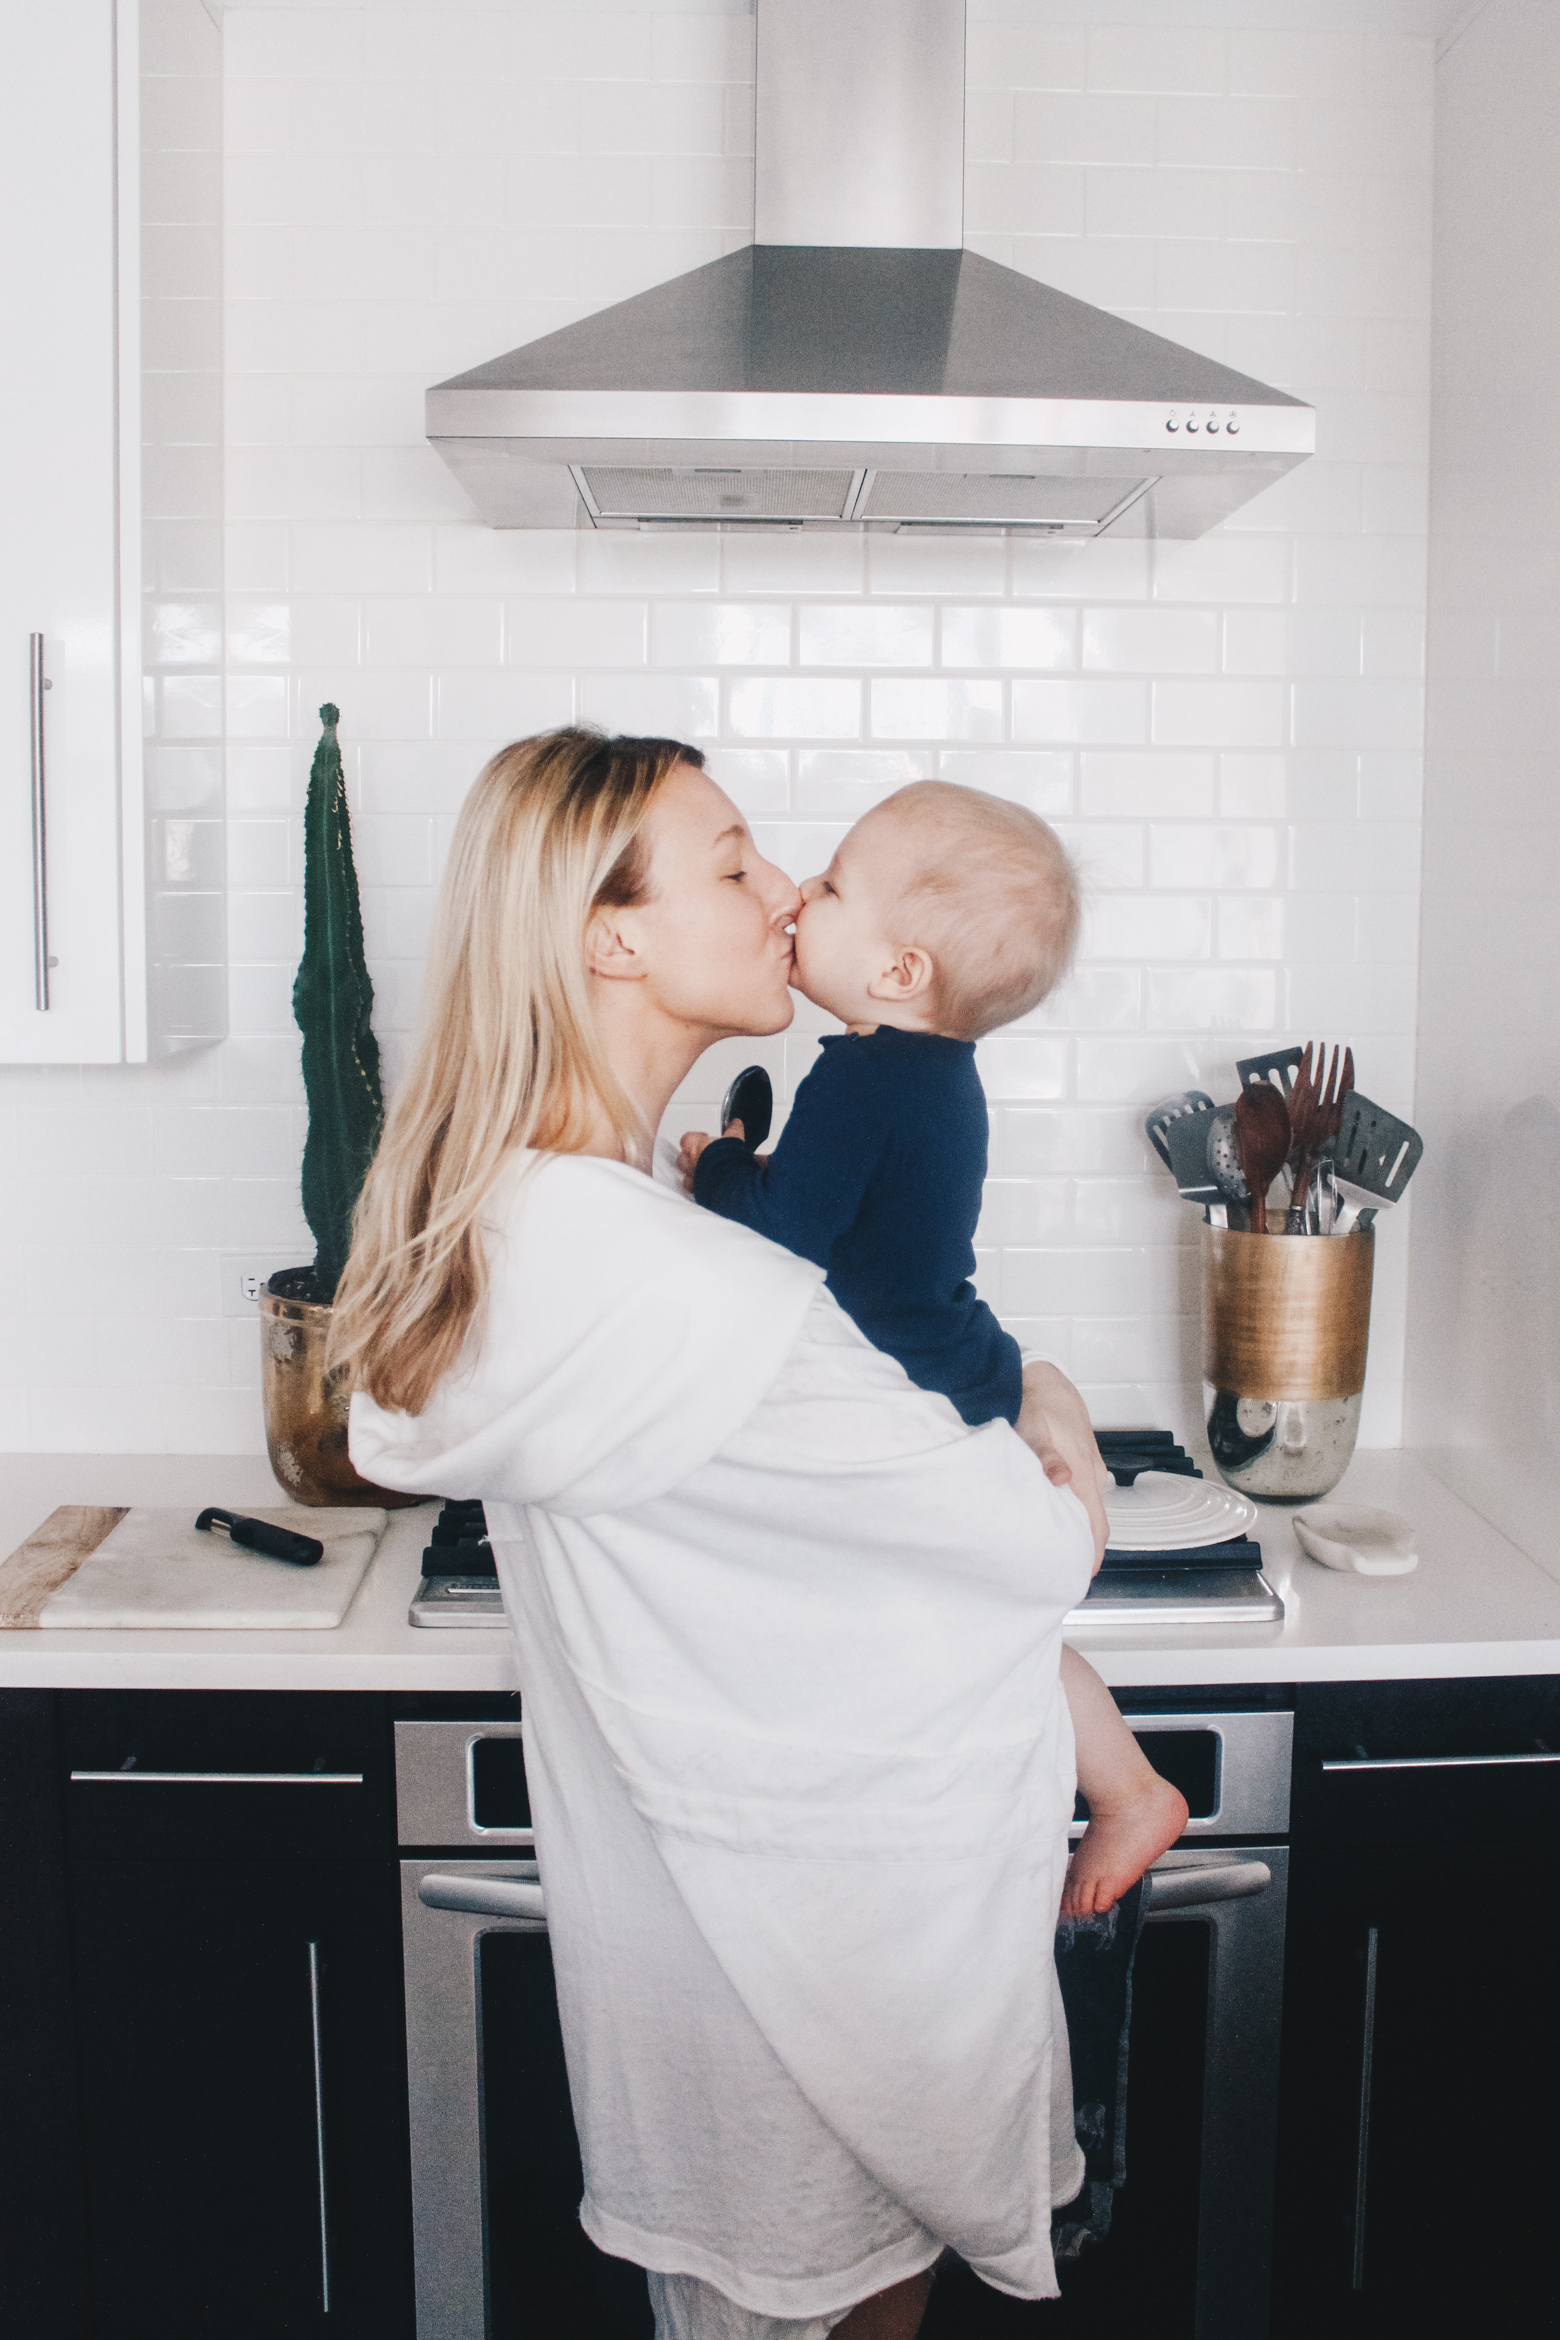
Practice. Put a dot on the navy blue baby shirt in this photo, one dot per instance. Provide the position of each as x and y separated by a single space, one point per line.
877 1176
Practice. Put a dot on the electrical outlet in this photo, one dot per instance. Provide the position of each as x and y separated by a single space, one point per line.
249 1286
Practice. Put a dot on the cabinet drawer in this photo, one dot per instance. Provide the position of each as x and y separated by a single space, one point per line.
1416 1762
178 1773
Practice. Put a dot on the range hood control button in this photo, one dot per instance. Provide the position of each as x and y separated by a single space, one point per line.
1172 422
1233 424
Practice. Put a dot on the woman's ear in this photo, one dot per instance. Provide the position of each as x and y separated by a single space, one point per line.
609 947
907 980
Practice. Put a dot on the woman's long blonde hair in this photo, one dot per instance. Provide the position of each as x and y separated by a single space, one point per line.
509 1056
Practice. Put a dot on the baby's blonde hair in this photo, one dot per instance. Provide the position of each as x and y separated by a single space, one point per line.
995 900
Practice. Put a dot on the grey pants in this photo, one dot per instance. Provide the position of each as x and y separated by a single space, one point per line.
688 2309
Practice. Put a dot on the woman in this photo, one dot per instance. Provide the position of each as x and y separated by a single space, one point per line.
787 1631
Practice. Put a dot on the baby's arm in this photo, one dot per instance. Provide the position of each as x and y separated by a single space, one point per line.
807 1191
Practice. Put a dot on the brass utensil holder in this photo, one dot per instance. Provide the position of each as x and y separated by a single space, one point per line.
306 1406
1286 1329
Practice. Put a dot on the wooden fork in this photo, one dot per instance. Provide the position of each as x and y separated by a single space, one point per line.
1316 1110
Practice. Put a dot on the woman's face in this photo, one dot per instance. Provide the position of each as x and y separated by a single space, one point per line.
715 931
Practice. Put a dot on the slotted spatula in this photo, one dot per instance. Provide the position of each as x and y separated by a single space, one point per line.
1374 1157
1187 1138
1156 1122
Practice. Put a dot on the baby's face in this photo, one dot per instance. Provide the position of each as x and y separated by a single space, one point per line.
846 929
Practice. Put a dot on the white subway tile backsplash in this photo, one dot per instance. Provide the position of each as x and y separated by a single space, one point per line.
1008 637
1226 732
1220 714
1088 714
865 634
810 708
902 709
720 633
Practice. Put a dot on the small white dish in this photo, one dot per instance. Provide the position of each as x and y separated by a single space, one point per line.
1168 1511
1357 1538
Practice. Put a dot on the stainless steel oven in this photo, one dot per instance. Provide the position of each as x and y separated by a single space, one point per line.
500 2254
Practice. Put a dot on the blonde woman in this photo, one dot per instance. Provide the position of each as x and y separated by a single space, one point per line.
787 1632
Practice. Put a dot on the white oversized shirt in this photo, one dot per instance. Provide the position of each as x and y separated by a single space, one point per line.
800 1764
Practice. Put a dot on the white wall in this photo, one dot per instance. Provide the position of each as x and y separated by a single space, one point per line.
1485 1327
1227 731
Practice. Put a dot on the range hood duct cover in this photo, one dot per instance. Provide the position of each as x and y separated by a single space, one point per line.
870 384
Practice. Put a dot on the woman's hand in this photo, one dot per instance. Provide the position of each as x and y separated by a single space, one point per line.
1054 1422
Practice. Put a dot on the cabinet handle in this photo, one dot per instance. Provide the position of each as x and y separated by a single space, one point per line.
1362 2131
221 1778
1431 1762
511 1897
36 686
319 2121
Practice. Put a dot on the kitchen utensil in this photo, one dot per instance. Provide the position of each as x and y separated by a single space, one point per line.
1162 1511
1374 1156
1157 1121
1126 1453
156 1569
1187 1139
1223 1159
1260 1071
261 1535
1359 1538
1262 1141
1315 1109
750 1100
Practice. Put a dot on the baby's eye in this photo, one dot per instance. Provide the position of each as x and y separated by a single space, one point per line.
736 875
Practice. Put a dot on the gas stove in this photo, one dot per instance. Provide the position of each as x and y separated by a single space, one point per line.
1214 1584
1208 1584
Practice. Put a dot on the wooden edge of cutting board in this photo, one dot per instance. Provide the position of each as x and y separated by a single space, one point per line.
50 1557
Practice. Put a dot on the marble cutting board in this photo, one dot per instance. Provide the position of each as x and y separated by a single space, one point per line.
154 1569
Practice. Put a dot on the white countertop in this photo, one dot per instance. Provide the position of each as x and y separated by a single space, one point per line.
1476 1604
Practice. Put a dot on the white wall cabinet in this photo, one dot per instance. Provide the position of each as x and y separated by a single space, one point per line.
69 533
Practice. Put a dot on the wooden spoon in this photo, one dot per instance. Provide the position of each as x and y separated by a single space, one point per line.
1262 1140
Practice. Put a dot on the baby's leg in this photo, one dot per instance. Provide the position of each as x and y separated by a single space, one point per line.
1134 1815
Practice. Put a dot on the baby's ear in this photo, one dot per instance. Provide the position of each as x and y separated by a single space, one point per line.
910 977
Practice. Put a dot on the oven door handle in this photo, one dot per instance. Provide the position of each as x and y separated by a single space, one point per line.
1190 1888
500 1897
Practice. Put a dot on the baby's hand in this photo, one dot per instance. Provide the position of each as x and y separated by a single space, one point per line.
693 1144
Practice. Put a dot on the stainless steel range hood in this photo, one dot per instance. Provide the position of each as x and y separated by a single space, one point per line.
855 367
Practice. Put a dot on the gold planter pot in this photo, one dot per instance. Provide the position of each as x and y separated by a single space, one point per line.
306 1406
1286 1328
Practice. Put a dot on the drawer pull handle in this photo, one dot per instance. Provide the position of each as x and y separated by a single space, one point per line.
504 1897
1431 1762
221 1778
1362 2132
36 686
319 2120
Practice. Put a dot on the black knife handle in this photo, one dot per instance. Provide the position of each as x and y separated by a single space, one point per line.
260 1535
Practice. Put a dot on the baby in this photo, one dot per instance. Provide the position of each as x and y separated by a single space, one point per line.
944 914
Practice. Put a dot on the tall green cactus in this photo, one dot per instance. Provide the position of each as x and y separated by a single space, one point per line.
333 1001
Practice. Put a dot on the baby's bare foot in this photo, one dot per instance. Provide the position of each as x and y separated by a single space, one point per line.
1118 1845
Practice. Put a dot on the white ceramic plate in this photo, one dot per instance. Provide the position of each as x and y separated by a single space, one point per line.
1163 1511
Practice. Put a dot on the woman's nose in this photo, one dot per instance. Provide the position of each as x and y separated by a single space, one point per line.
782 899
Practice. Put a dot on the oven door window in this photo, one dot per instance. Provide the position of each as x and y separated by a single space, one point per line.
546 2277
1143 2276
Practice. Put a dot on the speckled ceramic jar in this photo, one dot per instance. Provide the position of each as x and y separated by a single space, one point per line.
306 1406
1286 1329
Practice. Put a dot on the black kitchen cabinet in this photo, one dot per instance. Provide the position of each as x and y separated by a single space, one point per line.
1422 2015
202 2028
243 2092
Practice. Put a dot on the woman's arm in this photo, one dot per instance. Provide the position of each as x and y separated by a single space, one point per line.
1054 1422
